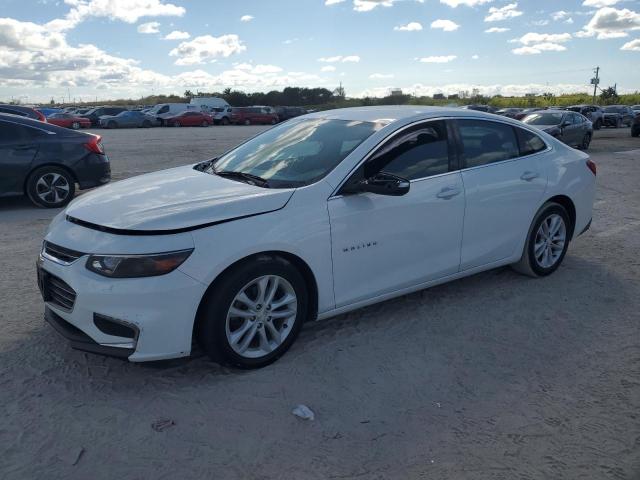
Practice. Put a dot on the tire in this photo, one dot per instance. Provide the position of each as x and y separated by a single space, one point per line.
112 124
176 124
146 124
635 131
597 125
618 123
75 126
224 121
586 141
247 122
205 123
528 263
50 187
216 325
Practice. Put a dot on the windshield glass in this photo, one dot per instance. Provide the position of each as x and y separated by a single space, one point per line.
543 119
296 154
612 109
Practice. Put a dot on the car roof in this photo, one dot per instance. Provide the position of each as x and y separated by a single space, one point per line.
396 113
30 122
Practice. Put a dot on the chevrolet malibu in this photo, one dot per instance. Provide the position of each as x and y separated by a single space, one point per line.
315 217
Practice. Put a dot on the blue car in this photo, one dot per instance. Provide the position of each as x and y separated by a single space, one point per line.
129 119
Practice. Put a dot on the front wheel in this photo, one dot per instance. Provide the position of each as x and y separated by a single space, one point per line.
247 122
112 125
50 187
254 313
586 141
205 123
75 126
546 243
597 125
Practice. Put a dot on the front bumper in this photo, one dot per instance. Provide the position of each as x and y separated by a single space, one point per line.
160 309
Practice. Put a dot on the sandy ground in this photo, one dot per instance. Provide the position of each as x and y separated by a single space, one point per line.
496 376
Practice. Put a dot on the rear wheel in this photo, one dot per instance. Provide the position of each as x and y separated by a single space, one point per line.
205 123
597 125
247 122
50 187
112 124
547 242
254 313
586 141
75 126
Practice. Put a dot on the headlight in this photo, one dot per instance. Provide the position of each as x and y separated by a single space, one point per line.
132 266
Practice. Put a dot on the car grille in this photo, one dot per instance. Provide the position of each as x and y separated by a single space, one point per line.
60 254
55 290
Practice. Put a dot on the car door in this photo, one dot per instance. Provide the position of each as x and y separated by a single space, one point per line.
18 147
382 244
504 181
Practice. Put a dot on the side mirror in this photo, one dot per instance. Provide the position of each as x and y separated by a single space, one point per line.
381 184
566 123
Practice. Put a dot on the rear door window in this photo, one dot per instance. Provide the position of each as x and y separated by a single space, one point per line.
485 142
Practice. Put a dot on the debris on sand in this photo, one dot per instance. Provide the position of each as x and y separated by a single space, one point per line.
73 456
303 412
163 424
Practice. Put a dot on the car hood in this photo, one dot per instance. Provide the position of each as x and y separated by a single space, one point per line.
177 199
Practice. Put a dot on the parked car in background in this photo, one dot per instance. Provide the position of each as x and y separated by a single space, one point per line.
635 108
617 116
253 115
207 104
313 218
44 161
95 113
46 111
69 120
509 112
189 119
481 108
285 113
23 112
635 126
221 115
527 111
571 128
593 112
162 111
129 119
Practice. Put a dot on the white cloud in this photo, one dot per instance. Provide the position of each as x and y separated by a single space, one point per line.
333 2
503 13
378 76
368 5
129 11
610 22
205 49
149 27
340 58
328 68
539 48
600 3
633 45
468 3
532 37
409 27
540 23
475 57
497 30
246 18
438 59
446 25
177 35
559 15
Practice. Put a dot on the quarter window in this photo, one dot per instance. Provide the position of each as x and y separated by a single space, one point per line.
529 142
421 151
486 142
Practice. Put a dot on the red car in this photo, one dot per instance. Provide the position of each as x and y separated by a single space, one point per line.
254 115
68 120
189 119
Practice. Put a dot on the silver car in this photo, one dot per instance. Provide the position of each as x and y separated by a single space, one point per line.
569 127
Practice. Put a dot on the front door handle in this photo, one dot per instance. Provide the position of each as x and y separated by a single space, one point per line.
448 192
528 176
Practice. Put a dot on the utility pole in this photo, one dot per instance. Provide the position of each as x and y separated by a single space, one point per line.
595 81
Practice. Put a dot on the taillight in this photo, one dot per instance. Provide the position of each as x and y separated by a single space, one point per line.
41 116
95 145
592 166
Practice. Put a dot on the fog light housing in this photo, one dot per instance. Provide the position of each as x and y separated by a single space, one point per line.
114 327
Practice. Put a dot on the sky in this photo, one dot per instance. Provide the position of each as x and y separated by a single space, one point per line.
106 49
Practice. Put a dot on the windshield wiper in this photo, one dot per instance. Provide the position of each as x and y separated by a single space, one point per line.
247 177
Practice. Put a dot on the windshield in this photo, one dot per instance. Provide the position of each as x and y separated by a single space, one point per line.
612 109
296 154
543 119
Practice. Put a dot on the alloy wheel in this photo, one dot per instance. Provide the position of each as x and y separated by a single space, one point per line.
52 188
550 241
261 316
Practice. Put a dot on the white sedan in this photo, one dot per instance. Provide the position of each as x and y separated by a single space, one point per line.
315 217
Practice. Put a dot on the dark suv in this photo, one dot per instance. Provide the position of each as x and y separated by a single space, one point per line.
45 162
285 113
95 113
593 112
635 126
618 116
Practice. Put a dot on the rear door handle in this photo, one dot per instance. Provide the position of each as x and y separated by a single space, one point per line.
448 192
528 176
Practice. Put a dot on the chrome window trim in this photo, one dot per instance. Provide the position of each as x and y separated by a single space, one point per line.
548 148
